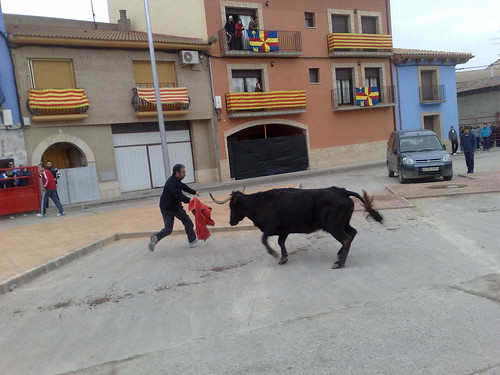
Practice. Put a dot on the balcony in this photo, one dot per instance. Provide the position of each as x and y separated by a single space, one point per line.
269 103
262 43
57 104
347 44
174 101
432 94
359 98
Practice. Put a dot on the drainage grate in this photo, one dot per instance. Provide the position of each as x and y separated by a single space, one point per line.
454 186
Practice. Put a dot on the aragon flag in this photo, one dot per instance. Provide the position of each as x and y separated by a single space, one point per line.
263 41
367 96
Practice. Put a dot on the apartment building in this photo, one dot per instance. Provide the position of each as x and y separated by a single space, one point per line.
87 93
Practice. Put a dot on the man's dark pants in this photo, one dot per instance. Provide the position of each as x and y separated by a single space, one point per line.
469 161
168 220
454 146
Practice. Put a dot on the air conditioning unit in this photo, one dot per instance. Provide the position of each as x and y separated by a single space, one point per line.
190 57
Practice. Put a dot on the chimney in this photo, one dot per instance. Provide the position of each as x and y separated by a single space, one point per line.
123 22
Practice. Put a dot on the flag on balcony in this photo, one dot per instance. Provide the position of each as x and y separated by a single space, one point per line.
57 99
241 101
348 40
263 41
168 95
367 96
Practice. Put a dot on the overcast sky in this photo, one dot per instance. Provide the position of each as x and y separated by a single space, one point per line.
439 25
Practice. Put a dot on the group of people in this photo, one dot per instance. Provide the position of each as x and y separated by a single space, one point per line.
234 31
471 140
14 177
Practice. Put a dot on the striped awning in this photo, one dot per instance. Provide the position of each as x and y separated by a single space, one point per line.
57 99
348 40
262 100
168 95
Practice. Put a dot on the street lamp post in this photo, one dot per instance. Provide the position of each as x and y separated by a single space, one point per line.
161 122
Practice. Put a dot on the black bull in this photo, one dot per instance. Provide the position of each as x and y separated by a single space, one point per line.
279 212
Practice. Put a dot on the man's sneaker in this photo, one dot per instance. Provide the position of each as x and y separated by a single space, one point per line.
191 244
152 242
40 215
61 213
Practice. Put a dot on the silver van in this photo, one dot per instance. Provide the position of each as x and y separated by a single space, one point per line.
417 154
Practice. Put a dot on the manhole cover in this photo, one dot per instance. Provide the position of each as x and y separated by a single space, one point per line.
454 186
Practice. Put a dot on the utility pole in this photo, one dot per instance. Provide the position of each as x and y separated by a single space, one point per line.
161 122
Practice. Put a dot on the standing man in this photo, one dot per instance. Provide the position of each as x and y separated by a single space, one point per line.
229 26
171 206
453 137
49 191
468 146
485 135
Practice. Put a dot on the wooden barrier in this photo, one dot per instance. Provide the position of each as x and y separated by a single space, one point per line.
20 198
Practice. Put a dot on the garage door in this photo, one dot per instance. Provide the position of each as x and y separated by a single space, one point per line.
139 158
264 157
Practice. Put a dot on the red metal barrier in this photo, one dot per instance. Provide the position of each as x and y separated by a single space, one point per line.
20 198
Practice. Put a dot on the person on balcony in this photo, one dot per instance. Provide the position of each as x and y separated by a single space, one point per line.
230 32
258 87
238 35
254 23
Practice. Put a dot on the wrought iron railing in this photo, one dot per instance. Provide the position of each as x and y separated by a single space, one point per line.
432 93
141 105
347 97
286 42
70 101
269 101
359 42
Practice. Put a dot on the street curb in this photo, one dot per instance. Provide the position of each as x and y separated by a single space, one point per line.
9 285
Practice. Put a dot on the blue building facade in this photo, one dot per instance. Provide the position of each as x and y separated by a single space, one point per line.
425 89
8 94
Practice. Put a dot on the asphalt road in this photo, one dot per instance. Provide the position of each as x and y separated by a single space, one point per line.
418 295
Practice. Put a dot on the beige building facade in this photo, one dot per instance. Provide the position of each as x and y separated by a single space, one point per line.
116 136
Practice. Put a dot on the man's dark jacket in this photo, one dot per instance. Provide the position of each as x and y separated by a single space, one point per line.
172 196
468 142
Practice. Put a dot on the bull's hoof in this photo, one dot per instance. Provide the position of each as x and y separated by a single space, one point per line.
283 260
337 264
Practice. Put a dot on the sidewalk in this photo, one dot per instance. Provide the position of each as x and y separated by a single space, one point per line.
31 248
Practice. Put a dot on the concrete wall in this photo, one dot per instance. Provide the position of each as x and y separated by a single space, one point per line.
486 104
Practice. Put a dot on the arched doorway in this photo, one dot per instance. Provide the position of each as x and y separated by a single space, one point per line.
267 149
64 155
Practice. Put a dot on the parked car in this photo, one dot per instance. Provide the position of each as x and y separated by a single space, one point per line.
417 154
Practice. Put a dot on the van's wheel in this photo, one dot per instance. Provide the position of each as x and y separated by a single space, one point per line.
402 180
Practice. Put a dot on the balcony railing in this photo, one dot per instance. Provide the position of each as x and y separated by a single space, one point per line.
265 103
57 102
174 100
347 42
366 97
262 43
432 94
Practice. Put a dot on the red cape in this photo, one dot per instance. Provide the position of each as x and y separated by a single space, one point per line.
202 218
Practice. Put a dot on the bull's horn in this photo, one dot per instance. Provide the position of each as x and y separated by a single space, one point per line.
219 202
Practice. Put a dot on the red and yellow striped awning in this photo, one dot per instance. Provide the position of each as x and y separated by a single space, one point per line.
168 95
57 99
348 40
261 100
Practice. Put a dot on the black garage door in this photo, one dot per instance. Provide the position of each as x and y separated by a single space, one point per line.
265 157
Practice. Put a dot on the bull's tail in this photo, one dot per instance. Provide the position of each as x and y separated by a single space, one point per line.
367 203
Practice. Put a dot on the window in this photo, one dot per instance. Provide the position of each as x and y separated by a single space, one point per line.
245 80
52 74
344 85
340 23
430 90
372 77
144 76
309 19
314 75
369 25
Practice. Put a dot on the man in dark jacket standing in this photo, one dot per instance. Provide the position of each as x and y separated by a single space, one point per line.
171 206
468 146
453 137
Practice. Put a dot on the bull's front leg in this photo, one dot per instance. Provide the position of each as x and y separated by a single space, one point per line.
269 249
284 254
